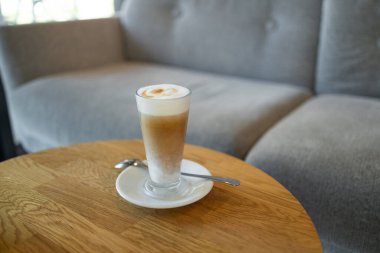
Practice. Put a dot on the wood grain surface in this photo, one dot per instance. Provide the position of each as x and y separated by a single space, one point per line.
64 200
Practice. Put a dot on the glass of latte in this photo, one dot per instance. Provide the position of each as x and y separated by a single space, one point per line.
164 110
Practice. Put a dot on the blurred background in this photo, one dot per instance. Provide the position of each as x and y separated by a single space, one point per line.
13 12
17 12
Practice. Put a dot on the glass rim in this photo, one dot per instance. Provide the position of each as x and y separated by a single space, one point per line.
168 99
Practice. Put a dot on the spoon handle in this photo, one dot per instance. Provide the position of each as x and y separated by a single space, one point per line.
226 180
134 162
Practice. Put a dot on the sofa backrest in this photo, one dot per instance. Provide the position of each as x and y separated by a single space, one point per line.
349 55
271 40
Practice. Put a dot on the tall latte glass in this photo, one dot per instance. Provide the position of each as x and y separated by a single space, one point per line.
164 110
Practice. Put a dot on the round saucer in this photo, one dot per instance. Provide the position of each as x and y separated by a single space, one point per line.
130 186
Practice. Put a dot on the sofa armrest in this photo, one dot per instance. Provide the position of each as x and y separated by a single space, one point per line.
31 51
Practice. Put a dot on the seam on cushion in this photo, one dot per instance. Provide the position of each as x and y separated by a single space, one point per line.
296 105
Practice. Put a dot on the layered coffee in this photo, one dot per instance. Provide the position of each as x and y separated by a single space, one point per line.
164 110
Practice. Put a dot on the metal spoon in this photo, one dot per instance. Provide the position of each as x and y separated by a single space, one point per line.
138 163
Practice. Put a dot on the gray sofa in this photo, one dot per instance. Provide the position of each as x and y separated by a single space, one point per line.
290 86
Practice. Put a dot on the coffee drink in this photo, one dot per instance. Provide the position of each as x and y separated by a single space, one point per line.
164 110
164 139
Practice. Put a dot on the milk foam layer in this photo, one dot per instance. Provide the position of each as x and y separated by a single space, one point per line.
163 99
163 91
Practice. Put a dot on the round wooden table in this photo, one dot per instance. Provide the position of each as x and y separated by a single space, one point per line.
64 200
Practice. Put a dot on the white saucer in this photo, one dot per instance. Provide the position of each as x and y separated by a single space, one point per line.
130 186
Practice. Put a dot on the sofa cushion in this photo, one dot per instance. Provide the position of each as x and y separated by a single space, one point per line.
327 153
349 55
227 114
267 40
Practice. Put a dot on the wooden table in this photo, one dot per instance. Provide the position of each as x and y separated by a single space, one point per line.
64 200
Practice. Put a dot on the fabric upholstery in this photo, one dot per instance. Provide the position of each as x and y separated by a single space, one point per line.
271 40
327 153
349 55
35 50
228 114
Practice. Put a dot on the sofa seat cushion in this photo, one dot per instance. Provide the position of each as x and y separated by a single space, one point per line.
327 153
228 114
